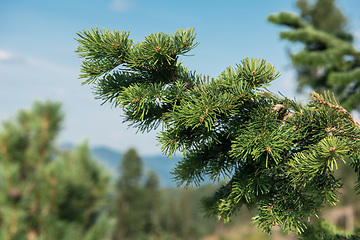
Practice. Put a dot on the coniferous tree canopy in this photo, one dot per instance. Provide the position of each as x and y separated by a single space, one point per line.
129 204
45 193
278 155
328 60
326 16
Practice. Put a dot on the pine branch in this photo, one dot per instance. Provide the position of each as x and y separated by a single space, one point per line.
279 155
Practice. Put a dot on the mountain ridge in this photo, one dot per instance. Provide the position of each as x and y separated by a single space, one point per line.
162 165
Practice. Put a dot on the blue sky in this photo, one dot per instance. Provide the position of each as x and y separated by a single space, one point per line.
37 59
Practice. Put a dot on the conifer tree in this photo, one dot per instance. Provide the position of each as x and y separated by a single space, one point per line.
153 201
328 60
45 193
137 200
129 205
279 156
326 16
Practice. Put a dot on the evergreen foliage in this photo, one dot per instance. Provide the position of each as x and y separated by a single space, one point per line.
153 200
328 60
128 202
136 204
326 16
45 193
278 155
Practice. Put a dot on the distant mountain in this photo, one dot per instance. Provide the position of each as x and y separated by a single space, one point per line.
108 157
111 158
160 164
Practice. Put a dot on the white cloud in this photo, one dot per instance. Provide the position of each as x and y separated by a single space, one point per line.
121 5
4 56
8 57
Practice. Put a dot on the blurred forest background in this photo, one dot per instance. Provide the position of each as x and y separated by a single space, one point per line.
77 192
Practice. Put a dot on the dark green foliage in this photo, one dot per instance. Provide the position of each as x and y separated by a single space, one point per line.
328 60
136 204
44 193
128 212
324 15
276 154
153 201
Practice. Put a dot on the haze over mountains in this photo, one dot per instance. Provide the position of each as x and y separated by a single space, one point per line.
111 159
